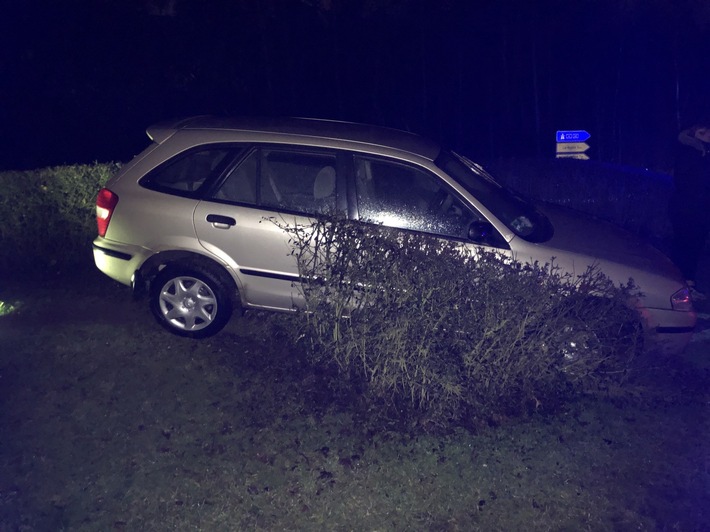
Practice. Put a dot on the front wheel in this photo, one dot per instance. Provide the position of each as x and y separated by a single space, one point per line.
191 302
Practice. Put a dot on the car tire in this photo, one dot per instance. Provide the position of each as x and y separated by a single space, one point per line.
190 301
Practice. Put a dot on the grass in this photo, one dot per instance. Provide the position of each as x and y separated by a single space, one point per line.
107 422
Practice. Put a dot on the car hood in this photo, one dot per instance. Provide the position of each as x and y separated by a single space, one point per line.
582 234
580 240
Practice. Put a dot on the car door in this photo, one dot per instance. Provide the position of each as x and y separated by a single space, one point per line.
408 196
240 219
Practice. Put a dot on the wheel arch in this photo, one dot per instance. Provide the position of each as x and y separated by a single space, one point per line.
189 259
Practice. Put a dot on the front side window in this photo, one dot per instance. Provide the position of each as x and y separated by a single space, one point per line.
408 197
281 179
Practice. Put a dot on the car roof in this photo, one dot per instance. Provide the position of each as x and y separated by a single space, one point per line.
303 127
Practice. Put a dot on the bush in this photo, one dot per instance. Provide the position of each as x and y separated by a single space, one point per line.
438 333
48 217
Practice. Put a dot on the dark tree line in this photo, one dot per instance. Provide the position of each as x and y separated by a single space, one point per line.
81 79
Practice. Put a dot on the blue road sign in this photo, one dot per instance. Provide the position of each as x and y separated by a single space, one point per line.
578 135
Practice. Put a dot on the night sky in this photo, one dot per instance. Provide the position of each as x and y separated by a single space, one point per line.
80 80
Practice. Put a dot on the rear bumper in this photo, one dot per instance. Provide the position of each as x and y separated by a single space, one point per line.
118 261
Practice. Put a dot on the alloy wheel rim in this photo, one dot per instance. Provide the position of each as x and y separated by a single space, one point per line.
187 303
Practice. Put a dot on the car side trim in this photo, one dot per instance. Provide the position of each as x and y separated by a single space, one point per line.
269 275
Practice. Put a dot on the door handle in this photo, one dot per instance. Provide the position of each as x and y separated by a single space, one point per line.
220 220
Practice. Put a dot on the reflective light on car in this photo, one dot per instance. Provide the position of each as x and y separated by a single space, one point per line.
391 219
681 300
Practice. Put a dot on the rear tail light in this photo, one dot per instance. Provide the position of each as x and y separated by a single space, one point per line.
106 202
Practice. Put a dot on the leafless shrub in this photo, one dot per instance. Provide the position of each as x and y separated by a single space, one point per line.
441 332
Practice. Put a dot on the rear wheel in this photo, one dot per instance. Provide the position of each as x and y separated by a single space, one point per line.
190 301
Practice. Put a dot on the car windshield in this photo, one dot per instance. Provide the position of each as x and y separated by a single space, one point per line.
519 215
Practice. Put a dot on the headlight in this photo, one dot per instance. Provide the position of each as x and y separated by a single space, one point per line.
681 300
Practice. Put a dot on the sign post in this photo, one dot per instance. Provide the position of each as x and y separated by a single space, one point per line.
571 145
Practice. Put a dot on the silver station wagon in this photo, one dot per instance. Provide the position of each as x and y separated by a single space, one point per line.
187 219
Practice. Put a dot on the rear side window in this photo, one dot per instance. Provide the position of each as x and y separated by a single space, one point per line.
282 179
186 174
